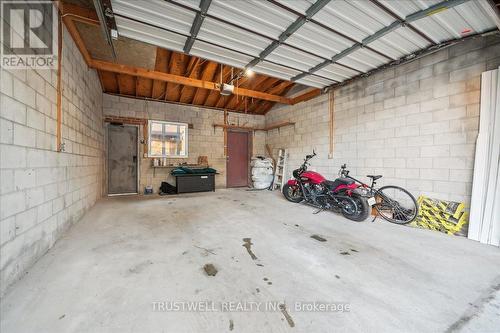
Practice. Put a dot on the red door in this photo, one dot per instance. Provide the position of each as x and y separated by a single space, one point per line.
237 159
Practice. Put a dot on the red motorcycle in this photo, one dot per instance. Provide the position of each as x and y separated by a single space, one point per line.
338 195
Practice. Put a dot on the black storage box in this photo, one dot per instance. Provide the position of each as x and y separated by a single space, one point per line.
192 182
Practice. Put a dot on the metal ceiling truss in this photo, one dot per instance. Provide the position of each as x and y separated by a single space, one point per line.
299 22
198 21
416 55
221 20
312 20
400 19
101 14
223 47
384 31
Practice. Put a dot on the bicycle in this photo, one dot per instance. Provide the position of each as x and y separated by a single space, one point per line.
393 203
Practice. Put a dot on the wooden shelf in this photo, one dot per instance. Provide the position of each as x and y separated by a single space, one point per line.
182 165
265 129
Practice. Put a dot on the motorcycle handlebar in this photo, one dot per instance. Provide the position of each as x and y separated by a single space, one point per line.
343 171
308 157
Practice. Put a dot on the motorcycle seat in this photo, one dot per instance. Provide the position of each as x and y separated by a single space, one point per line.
337 182
374 177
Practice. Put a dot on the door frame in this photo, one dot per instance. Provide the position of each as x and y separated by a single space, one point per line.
137 149
249 157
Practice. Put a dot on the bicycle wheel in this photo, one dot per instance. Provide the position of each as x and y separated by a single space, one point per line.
395 204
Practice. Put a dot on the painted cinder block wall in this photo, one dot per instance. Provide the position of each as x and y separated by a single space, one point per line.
44 191
416 124
203 138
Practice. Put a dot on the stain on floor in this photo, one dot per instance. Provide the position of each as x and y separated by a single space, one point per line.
210 269
248 245
287 315
137 269
318 238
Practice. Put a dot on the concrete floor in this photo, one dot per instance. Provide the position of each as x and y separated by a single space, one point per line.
127 253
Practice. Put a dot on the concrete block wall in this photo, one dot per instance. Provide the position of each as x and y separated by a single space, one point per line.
415 124
203 138
44 191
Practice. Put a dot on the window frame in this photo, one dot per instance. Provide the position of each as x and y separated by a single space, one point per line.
163 123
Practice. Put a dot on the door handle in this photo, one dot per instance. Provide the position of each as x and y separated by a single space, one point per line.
134 158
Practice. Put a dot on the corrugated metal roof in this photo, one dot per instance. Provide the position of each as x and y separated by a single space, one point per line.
223 34
236 32
260 16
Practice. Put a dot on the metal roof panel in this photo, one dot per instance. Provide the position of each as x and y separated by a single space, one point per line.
218 54
234 38
337 72
318 40
149 34
259 16
293 58
315 81
155 12
278 71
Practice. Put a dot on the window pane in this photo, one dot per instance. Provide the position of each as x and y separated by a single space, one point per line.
168 139
182 141
156 138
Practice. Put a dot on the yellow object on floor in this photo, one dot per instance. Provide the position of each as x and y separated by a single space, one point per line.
446 216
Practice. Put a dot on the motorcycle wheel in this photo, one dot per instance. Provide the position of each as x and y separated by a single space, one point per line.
363 209
293 193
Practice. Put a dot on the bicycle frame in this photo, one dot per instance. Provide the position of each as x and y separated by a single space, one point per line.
386 202
372 188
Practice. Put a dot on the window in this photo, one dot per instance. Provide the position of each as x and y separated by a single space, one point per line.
168 139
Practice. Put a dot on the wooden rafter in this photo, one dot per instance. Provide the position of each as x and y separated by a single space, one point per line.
79 14
182 80
280 89
264 86
234 99
208 74
187 92
177 66
161 65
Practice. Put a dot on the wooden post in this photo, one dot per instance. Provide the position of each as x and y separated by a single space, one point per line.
59 145
225 132
331 109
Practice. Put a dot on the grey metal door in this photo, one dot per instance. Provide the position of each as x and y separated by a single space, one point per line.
122 159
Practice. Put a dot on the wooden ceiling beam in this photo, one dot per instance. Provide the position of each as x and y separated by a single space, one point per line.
75 34
280 89
109 82
227 70
178 79
211 97
306 96
77 13
267 84
234 98
268 105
